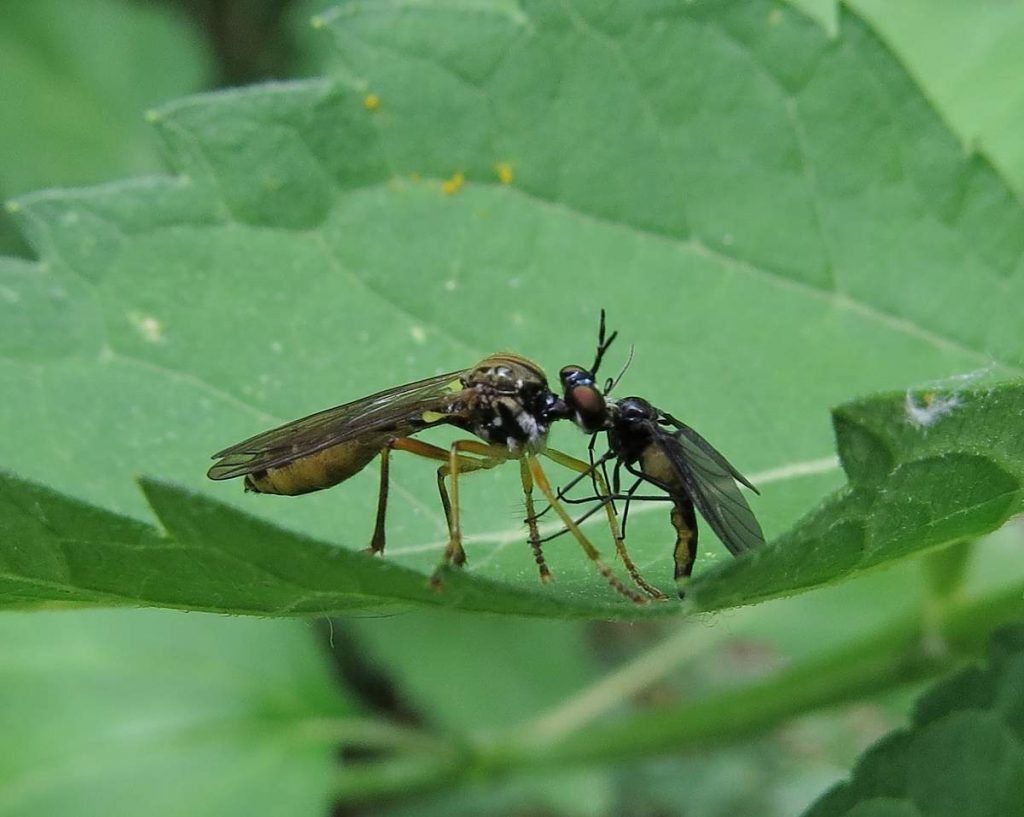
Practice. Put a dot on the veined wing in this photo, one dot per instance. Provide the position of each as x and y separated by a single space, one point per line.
399 411
711 483
708 449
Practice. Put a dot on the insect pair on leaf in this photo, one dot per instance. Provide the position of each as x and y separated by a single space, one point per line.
505 401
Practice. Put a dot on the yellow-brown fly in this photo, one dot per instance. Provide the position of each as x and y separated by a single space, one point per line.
504 400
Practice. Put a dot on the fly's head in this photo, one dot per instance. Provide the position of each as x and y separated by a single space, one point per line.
586 403
584 400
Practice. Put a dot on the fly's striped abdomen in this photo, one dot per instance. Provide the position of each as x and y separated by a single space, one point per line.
313 472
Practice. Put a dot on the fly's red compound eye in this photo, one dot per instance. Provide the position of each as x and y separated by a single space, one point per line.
589 406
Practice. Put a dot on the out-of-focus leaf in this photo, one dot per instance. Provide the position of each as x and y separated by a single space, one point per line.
963 755
75 81
483 672
158 713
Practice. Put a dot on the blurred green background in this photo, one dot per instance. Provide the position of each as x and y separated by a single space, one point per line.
155 712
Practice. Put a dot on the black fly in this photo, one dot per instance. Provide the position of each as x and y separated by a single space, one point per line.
657 449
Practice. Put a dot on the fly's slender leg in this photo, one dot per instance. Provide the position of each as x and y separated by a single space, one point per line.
541 480
604 497
453 553
563 496
377 540
630 496
531 521
490 456
454 465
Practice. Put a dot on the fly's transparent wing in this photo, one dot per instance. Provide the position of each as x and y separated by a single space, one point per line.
707 448
711 483
395 412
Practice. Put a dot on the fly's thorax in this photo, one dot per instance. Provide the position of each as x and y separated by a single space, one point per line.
510 402
629 432
507 373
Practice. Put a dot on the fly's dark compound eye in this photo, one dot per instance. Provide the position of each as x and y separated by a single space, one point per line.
572 376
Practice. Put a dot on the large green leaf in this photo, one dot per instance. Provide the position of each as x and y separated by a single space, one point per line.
916 482
55 549
962 755
776 219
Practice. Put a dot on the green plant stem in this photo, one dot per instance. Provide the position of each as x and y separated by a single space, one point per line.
946 568
900 653
686 645
897 654
398 777
372 734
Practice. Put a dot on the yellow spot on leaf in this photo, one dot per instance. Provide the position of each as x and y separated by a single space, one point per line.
371 102
454 184
147 326
504 171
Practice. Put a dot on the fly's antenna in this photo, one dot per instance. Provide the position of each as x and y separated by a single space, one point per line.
602 345
612 382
